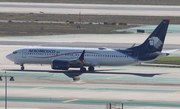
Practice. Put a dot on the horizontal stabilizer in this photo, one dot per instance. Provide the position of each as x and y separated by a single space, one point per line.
169 51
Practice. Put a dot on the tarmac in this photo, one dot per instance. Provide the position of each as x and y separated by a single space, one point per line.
92 9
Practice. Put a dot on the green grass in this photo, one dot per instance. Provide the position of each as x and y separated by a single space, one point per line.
26 29
168 60
29 28
134 2
90 18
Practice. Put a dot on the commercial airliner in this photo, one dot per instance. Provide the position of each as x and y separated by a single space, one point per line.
61 58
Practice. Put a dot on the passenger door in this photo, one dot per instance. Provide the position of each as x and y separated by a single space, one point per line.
24 52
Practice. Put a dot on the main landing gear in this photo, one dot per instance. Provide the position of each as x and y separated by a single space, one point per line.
83 69
91 68
22 67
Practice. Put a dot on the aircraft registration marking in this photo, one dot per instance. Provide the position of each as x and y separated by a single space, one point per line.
67 101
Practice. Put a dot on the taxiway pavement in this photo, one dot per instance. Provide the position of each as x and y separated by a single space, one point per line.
97 9
89 40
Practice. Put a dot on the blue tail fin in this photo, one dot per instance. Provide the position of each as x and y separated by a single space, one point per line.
155 42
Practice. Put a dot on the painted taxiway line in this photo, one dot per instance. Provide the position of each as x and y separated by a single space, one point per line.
35 88
67 101
113 77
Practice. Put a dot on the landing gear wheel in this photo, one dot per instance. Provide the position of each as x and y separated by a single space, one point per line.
91 68
82 69
76 78
22 67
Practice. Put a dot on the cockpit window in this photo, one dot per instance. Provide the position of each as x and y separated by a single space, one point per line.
14 52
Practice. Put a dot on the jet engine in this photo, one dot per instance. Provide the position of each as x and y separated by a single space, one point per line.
60 65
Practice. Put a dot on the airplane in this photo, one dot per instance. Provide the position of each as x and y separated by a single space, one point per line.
63 58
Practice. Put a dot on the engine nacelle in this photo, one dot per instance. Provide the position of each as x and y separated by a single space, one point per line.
60 65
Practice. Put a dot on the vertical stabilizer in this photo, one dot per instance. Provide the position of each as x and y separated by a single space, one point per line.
155 42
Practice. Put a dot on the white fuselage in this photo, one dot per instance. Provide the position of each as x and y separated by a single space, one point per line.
94 56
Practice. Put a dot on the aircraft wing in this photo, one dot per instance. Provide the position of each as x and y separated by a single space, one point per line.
82 61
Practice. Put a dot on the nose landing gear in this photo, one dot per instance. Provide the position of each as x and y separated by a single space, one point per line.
22 67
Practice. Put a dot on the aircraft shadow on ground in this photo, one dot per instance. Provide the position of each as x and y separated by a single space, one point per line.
73 73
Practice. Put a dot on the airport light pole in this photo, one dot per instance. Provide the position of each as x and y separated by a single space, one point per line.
11 79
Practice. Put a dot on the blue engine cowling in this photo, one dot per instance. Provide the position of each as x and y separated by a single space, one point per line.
60 65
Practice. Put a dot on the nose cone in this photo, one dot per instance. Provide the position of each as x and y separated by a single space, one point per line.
9 56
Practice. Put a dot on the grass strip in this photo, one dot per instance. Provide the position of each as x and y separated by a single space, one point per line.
168 60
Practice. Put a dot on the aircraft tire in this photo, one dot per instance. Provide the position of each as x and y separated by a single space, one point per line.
82 69
22 67
91 68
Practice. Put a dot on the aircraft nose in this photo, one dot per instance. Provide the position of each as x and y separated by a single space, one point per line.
8 56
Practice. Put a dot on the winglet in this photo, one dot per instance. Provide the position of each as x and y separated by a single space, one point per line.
81 58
